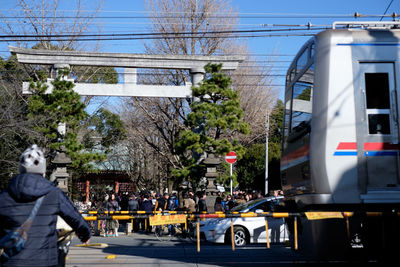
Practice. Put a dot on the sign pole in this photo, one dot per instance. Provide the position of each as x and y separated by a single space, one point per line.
231 179
266 153
231 158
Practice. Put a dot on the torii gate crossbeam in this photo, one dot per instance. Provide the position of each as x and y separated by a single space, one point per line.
59 59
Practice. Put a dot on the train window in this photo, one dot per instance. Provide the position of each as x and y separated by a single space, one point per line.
377 90
301 121
302 91
378 124
301 108
302 61
378 102
286 120
292 74
312 50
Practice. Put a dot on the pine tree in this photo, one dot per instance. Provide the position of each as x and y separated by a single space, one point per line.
213 118
62 105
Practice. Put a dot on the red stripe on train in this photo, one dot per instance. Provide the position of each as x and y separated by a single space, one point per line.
347 145
370 146
380 146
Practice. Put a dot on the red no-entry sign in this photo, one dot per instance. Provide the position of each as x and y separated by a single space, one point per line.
231 157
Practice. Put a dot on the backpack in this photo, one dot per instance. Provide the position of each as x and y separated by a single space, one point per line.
172 203
14 241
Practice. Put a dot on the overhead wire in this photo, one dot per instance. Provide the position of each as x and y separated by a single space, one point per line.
233 34
387 8
155 38
236 54
151 34
177 15
161 74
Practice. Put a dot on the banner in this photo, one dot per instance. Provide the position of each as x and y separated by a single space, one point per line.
167 219
318 215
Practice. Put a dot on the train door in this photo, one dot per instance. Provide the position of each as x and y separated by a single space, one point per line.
378 145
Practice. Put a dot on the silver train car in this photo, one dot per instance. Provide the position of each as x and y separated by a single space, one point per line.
340 148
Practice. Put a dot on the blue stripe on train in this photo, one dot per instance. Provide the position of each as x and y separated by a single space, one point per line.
345 153
369 44
368 153
381 153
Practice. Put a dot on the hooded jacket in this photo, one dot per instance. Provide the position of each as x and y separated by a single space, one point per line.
17 202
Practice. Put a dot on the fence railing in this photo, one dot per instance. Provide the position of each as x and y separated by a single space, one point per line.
313 215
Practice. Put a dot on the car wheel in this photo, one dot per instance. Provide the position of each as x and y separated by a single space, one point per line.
239 236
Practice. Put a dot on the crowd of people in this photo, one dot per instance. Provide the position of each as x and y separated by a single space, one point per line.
30 195
153 201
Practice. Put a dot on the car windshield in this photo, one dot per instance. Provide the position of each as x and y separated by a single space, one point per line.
247 205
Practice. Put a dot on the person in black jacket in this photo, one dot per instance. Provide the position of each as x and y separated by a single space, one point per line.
17 202
133 205
146 206
161 202
218 205
202 206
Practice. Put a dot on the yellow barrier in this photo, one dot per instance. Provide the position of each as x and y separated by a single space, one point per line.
232 236
170 219
249 214
323 215
295 234
162 218
280 215
266 232
198 235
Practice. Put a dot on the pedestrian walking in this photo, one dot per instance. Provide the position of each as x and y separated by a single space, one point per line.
112 225
17 202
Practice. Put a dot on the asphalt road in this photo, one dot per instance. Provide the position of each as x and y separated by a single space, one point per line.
146 250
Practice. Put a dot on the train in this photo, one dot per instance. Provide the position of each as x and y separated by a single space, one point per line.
340 145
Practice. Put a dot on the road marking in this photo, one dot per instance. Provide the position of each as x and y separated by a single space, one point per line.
110 257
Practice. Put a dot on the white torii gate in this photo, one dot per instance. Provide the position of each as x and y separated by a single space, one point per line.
62 59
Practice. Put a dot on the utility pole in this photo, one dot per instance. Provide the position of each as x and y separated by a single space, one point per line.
266 151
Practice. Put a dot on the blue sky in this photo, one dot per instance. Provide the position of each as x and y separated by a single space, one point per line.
252 13
259 8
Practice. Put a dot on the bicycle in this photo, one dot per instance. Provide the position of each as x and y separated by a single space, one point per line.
165 232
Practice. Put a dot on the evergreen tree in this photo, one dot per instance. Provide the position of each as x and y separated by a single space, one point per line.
62 105
104 129
251 168
213 118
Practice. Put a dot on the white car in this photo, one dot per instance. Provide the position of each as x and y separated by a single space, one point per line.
248 229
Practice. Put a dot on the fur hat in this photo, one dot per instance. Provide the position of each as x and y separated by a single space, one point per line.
32 160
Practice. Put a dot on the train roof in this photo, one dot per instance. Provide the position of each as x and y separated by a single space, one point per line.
362 31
